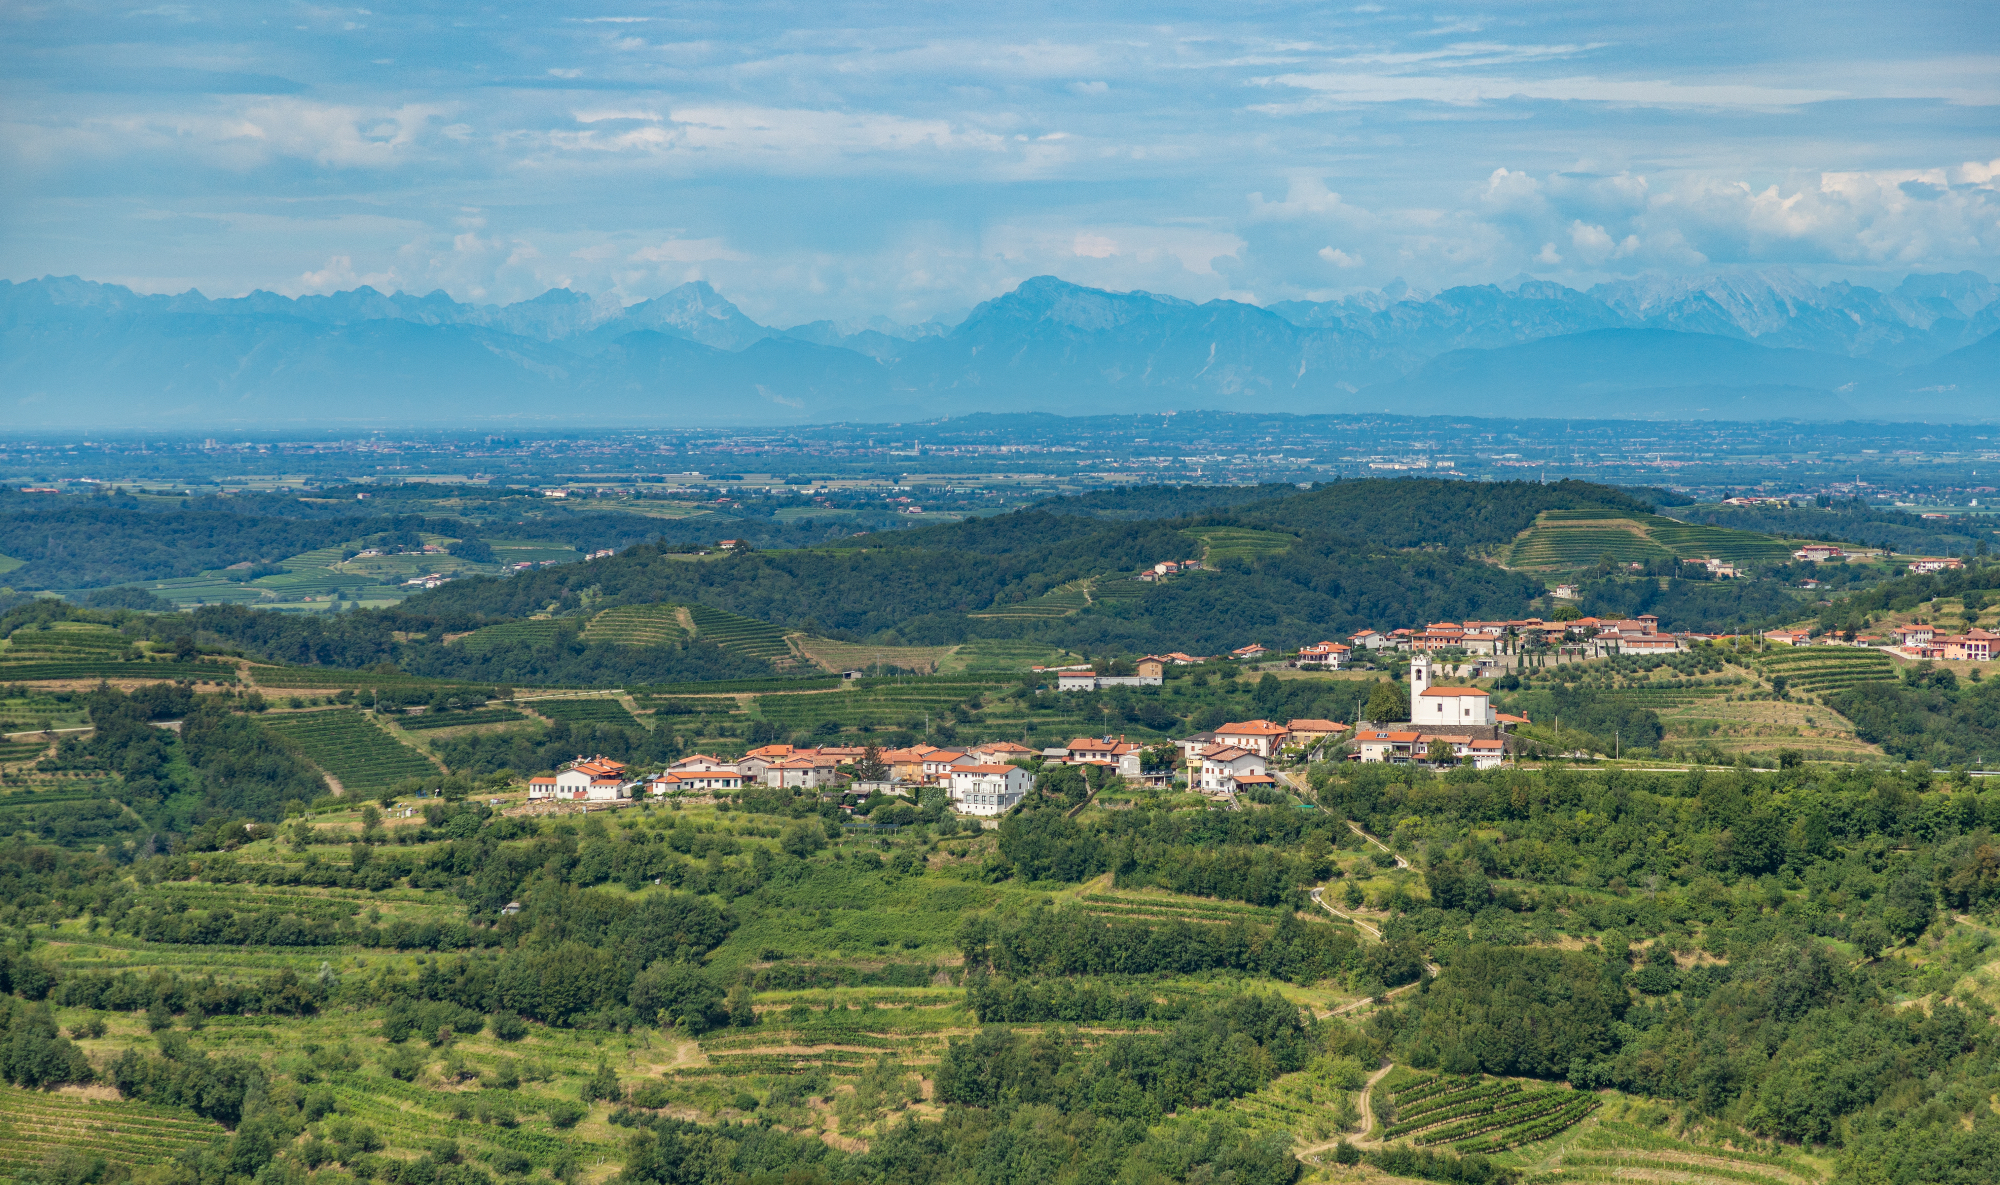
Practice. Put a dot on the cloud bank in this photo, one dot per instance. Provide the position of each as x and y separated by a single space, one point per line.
826 161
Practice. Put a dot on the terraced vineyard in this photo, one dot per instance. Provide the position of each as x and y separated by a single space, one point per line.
1578 544
486 637
1058 602
850 656
583 711
1818 669
744 635
1481 1114
884 705
1124 588
1163 907
691 705
1568 539
33 1123
996 654
1624 1151
334 678
635 625
20 750
435 720
1240 543
1732 546
86 650
348 746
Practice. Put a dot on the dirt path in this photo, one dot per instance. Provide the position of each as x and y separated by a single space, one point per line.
1357 829
1359 1139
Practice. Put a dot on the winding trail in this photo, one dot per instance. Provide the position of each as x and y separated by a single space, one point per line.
1360 1139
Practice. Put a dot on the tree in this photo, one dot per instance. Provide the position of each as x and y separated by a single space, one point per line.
871 768
1388 701
1440 752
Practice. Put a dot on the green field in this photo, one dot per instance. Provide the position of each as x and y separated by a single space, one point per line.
884 705
987 655
349 747
583 711
1570 539
8 563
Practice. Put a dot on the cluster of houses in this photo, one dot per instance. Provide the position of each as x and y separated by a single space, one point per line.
1600 636
1161 571
979 780
1923 641
994 777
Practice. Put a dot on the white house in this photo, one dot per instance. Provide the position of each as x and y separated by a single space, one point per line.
1331 655
704 782
1445 705
1223 765
598 779
1149 675
989 789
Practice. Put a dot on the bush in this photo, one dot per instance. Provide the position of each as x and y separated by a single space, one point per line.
567 1112
508 1025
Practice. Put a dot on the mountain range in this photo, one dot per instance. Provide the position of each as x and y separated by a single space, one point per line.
1740 346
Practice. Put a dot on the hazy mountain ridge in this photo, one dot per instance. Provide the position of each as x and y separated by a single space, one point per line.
1746 345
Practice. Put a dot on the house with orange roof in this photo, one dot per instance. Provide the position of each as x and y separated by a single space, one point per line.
1330 655
1220 767
1442 635
1253 650
801 772
1118 755
938 764
1974 645
694 782
1387 745
1311 732
1434 705
595 779
1258 736
907 765
999 752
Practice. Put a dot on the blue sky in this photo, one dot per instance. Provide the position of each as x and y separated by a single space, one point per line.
911 159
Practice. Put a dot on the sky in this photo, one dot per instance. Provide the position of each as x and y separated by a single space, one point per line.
910 159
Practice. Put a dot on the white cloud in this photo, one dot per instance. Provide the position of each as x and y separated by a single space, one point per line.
339 274
1334 90
1338 258
1095 246
686 251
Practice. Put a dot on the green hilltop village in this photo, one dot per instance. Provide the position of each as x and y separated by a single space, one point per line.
1379 830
